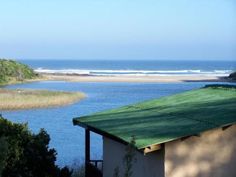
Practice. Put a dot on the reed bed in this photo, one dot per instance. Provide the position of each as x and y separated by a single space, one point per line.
28 99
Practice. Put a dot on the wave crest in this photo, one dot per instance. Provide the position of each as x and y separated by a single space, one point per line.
132 72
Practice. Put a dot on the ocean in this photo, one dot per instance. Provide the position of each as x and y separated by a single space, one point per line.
133 67
67 139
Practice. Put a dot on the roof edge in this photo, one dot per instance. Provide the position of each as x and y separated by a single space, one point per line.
141 149
223 127
98 131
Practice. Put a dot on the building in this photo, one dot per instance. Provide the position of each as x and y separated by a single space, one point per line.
192 134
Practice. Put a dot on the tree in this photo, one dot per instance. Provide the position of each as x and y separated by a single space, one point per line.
3 153
26 154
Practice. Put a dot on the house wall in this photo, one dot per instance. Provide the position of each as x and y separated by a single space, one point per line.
150 165
213 154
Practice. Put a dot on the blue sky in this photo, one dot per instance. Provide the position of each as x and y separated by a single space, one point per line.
121 29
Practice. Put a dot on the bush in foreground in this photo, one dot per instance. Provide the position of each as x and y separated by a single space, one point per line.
23 153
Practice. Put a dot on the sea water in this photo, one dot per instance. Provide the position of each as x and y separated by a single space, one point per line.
133 67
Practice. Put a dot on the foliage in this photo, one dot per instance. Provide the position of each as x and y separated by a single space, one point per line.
128 160
221 86
233 76
26 154
3 153
78 171
116 172
11 70
93 171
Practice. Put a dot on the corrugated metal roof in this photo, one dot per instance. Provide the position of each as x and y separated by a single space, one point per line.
162 120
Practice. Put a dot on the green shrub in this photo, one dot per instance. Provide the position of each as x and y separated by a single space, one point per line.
78 170
233 76
12 70
128 160
26 154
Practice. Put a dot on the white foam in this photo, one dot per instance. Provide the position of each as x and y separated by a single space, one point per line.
133 72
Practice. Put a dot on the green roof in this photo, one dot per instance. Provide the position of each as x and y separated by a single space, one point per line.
168 118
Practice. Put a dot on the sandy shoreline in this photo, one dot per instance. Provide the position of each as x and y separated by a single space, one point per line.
184 78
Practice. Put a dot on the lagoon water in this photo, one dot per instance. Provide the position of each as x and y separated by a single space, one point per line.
67 139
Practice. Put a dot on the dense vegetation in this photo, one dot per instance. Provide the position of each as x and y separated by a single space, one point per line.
233 76
25 154
12 71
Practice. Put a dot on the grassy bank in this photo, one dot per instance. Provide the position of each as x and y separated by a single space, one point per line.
28 99
14 72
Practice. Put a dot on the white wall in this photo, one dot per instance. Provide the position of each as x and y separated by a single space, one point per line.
150 165
213 154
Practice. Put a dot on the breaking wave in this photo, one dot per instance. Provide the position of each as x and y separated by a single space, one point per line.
132 72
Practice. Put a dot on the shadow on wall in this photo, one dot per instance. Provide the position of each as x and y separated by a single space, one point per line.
211 154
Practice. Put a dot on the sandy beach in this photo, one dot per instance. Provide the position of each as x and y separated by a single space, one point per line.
175 78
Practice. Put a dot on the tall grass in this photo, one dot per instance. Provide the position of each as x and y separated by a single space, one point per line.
28 99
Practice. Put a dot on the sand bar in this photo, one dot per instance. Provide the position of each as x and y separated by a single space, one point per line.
125 78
